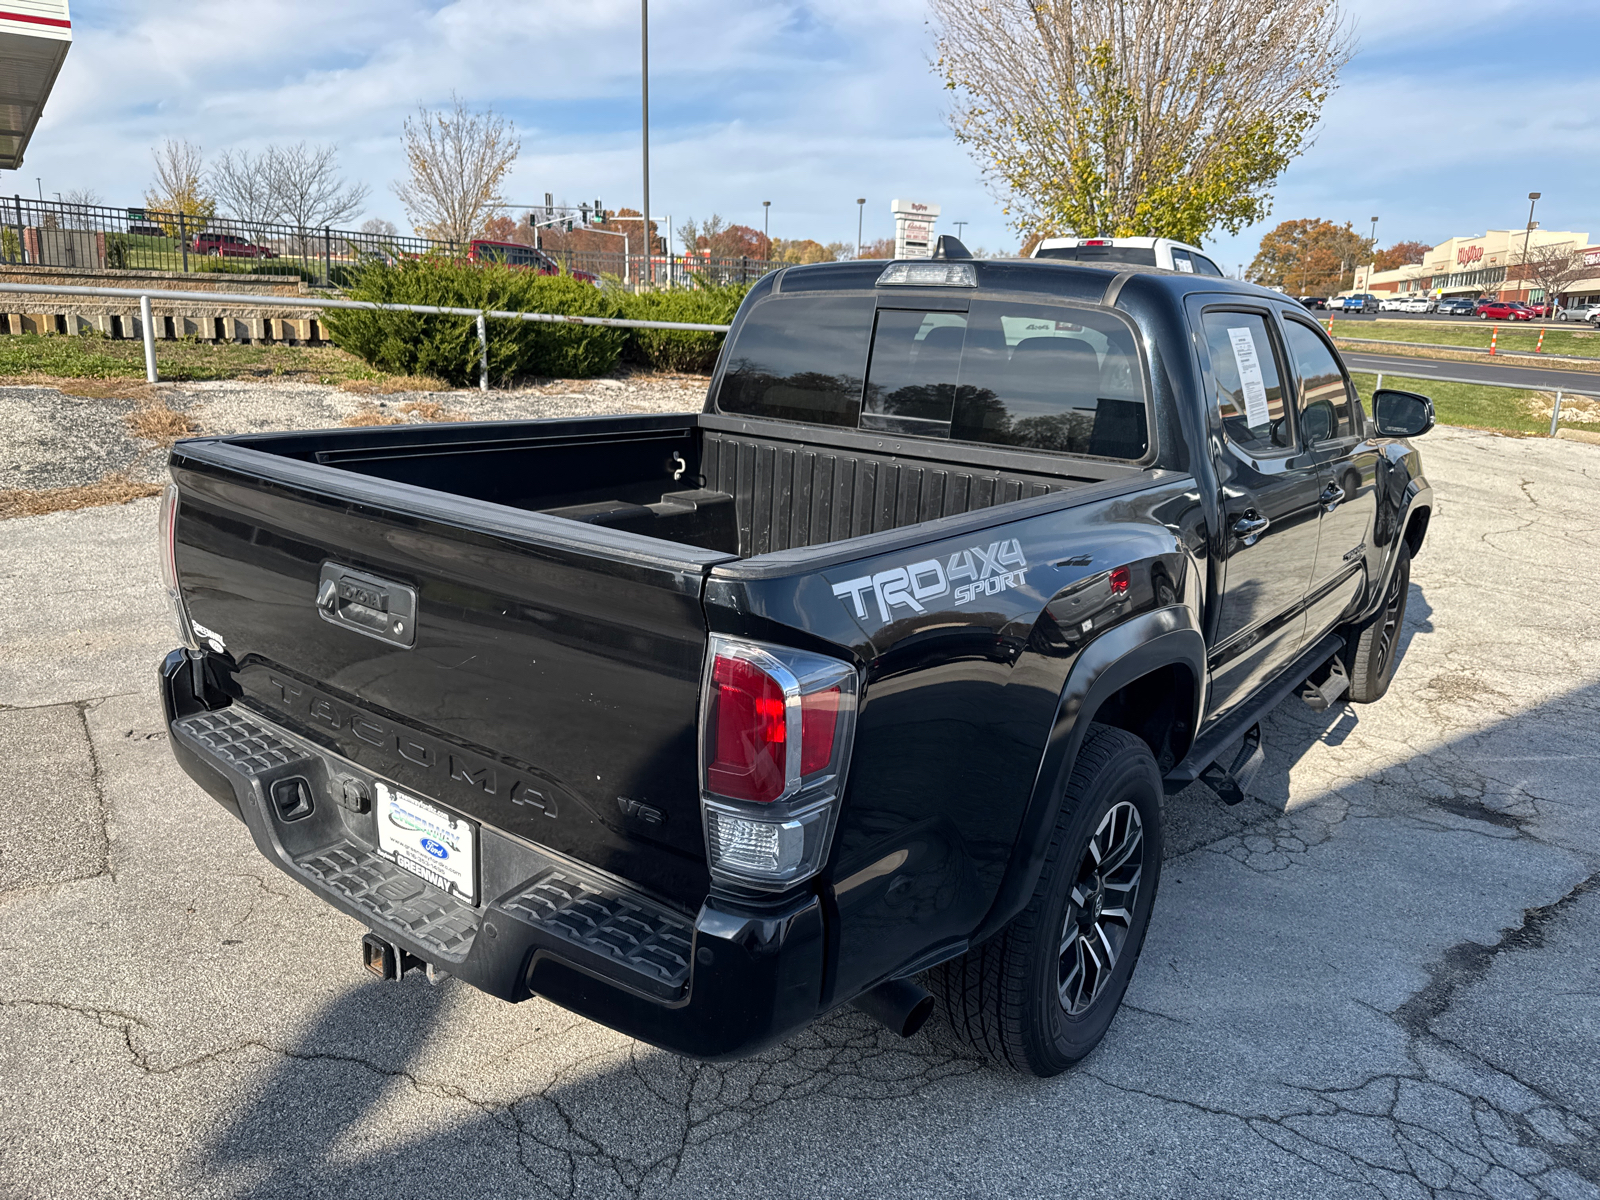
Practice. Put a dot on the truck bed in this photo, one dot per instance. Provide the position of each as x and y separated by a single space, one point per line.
737 487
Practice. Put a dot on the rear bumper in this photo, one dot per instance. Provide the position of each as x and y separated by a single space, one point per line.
723 983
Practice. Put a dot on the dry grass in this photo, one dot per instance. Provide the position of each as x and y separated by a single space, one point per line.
370 414
1522 359
391 385
1579 410
430 410
115 488
155 422
419 411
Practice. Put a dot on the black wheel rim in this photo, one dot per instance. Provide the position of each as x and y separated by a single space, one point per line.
1099 917
1391 621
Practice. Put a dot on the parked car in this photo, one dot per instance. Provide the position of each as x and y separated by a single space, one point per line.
1419 303
516 254
1360 302
1392 304
572 708
1135 251
1314 301
1504 310
1458 306
230 245
1579 312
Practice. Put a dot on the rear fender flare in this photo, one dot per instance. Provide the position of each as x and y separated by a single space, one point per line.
1166 637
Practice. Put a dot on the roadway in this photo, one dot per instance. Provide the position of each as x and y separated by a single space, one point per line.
1540 378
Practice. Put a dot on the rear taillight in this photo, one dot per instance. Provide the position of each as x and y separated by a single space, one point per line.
776 728
169 566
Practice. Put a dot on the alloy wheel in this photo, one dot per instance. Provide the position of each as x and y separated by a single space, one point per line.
1391 623
1099 918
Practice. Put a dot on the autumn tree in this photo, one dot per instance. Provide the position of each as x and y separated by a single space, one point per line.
457 159
794 250
882 248
1401 254
1309 257
179 184
1553 267
1137 117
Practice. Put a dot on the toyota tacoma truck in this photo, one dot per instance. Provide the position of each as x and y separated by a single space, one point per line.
863 685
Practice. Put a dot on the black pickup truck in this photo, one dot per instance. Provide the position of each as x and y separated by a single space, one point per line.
863 685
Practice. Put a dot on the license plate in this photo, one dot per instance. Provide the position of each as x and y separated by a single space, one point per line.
428 841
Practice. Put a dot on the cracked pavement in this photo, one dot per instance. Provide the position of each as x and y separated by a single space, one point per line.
1376 978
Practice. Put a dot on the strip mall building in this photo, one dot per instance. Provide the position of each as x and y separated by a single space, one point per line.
1476 266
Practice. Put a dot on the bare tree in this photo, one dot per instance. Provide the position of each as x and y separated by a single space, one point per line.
76 205
307 188
379 227
458 159
1554 267
1137 117
179 183
242 184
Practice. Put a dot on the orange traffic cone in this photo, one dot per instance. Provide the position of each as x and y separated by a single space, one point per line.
1539 349
1493 338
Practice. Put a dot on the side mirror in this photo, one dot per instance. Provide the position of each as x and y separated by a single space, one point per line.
1402 414
1319 422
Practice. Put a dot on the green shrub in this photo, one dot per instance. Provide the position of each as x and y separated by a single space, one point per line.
447 347
674 350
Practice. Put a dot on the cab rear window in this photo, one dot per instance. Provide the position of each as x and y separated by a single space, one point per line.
1007 372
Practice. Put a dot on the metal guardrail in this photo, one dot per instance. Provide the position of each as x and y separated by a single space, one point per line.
1555 411
145 295
1539 357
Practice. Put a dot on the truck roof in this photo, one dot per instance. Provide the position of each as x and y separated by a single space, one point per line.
1079 280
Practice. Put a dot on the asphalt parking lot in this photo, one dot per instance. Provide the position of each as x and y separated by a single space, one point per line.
1377 979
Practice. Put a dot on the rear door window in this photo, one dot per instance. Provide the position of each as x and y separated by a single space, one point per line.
1181 261
800 358
1050 377
1205 266
1248 382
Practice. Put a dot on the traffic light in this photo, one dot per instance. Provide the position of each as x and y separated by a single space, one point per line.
583 212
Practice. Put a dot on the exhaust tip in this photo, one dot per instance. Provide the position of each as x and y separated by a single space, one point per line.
898 1005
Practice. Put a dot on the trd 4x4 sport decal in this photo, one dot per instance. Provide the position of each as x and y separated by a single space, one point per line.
990 571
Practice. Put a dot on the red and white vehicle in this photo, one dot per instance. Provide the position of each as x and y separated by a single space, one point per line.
516 254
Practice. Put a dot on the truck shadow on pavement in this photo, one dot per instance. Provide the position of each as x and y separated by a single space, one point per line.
1216 1045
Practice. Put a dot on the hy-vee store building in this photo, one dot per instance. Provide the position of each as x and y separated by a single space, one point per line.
1478 266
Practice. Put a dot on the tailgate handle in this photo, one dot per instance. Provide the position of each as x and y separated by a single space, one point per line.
366 604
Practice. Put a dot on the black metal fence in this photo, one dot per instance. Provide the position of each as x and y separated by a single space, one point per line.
96 237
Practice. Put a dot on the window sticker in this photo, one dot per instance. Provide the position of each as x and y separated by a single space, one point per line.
1184 265
1249 364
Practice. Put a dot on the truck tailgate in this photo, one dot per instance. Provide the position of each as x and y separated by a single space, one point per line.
550 683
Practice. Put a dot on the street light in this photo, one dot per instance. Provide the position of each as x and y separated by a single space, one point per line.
959 226
861 209
766 224
1533 198
644 92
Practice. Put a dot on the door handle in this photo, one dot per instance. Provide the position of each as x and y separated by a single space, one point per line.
1249 527
1331 495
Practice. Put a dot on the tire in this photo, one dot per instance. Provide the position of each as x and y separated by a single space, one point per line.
1369 656
1034 997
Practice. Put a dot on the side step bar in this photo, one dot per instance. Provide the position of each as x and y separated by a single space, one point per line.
1323 696
1201 761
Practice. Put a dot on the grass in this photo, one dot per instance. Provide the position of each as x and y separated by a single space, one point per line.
1502 410
115 488
1473 333
33 358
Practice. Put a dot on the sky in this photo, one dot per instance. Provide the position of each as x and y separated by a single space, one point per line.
1450 113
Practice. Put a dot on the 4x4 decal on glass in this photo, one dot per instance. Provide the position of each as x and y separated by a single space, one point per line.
991 571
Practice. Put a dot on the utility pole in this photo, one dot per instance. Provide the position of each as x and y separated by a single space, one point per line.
766 225
861 209
1533 198
644 91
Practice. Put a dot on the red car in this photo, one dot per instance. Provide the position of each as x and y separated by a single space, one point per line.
515 254
230 245
1504 310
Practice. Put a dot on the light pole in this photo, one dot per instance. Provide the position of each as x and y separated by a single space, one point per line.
644 93
959 226
1372 259
1533 198
861 210
766 225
